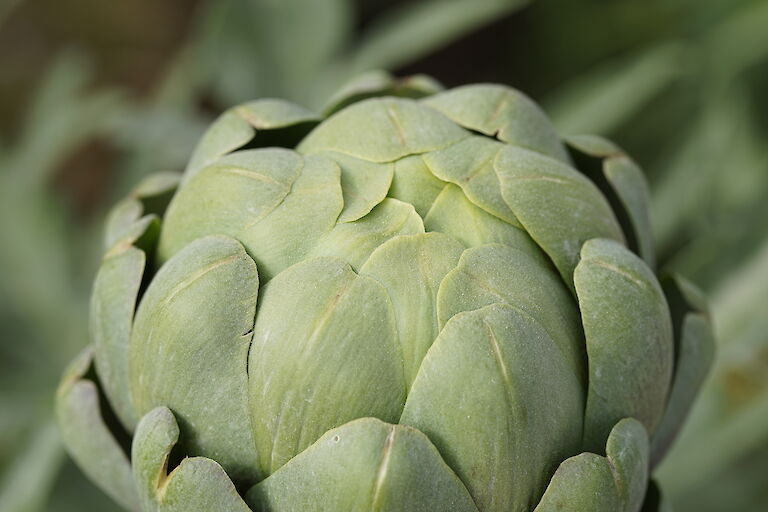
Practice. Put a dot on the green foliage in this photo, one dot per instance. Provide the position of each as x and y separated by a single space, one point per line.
680 83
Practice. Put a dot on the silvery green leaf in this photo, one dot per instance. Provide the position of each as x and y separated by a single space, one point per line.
627 182
380 83
365 464
87 437
557 205
454 214
411 268
629 339
504 274
189 349
616 483
470 165
479 397
239 125
583 482
197 483
695 352
113 305
325 351
274 201
414 183
394 128
500 112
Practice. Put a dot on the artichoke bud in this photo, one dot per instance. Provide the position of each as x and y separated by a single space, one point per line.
423 299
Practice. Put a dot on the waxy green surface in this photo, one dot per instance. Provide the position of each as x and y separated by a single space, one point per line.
415 304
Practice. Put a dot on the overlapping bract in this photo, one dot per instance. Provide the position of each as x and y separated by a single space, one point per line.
425 302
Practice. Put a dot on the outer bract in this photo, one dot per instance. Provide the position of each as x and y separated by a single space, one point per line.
425 301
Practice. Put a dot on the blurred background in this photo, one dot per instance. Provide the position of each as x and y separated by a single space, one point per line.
94 95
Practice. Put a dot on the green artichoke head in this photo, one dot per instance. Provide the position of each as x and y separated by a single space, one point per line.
421 300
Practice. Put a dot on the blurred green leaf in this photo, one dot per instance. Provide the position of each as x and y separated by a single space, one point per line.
270 47
740 304
696 166
35 232
40 276
417 28
740 434
303 49
731 417
607 97
26 483
62 115
741 40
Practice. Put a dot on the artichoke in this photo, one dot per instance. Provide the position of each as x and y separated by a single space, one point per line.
423 299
